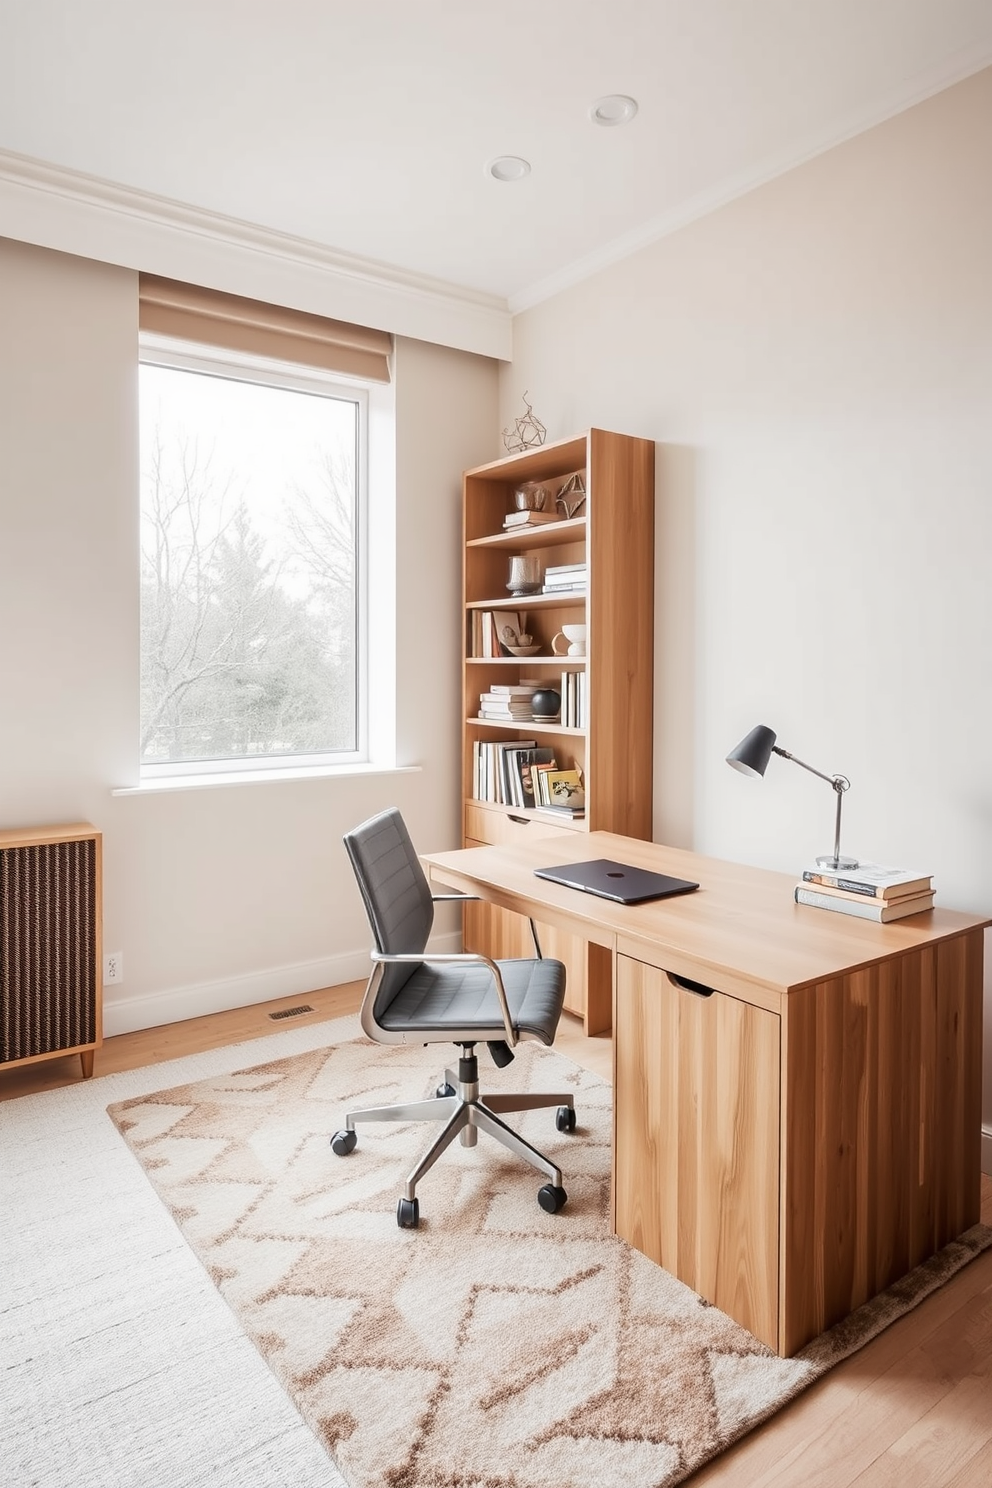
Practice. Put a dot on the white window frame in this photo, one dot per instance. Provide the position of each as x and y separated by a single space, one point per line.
161 351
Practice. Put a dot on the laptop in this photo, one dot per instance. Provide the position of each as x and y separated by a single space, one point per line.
617 881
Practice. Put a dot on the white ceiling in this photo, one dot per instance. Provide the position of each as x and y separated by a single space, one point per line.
365 127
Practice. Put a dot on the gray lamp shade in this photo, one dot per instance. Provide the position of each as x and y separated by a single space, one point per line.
754 751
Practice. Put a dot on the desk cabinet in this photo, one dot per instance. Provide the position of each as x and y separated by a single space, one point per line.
697 1162
789 1162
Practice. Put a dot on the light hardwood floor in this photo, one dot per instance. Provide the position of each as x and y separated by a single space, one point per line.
911 1410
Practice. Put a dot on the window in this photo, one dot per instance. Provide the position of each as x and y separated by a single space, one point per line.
252 551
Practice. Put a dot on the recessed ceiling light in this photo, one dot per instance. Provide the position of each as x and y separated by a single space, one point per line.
615 108
508 168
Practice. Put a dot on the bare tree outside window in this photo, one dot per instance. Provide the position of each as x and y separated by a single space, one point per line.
249 592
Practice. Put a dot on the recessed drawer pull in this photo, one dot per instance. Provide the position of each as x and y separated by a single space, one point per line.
699 989
522 821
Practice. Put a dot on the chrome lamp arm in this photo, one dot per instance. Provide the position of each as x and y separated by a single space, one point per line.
840 784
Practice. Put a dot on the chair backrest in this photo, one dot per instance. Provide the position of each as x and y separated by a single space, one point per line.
396 893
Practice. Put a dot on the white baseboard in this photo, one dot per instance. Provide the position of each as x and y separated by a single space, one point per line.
987 1150
174 1005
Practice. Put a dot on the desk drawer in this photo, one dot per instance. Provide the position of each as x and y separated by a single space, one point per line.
496 828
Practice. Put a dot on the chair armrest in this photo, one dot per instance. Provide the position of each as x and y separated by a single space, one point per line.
465 958
457 898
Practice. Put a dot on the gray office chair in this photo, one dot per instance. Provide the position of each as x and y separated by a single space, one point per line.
416 998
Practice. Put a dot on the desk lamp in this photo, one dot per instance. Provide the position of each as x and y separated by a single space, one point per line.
751 757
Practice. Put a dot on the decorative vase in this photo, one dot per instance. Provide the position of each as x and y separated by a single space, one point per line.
545 703
526 574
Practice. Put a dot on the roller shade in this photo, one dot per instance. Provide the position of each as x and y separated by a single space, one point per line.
192 313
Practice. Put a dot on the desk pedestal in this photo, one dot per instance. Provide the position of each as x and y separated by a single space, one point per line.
790 1156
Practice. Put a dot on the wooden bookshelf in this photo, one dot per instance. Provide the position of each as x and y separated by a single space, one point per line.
613 535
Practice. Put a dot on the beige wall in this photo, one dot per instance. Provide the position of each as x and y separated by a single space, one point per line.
815 361
226 895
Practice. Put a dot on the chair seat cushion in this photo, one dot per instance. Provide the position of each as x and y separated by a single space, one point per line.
439 1000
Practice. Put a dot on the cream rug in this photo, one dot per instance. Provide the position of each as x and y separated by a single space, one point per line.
497 1345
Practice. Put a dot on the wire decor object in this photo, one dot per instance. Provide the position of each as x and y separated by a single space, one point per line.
572 496
527 432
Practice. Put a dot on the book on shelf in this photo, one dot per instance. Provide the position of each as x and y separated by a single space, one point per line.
561 570
520 764
871 880
516 519
561 788
574 691
491 629
564 588
508 702
880 910
488 777
513 689
571 813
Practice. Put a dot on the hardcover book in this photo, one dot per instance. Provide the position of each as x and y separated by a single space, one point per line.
871 879
879 910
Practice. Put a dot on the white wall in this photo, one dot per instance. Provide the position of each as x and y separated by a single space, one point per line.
815 361
228 895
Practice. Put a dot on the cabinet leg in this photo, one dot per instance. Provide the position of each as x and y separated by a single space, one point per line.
86 1060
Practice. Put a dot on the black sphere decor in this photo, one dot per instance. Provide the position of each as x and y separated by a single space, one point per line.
545 703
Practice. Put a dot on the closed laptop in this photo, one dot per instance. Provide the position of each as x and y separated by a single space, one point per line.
617 881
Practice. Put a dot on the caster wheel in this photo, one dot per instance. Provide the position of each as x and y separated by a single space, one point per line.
565 1118
551 1198
408 1214
344 1142
443 1090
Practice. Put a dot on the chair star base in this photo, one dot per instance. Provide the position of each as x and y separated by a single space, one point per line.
465 1112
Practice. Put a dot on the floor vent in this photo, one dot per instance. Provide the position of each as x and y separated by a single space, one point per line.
292 1012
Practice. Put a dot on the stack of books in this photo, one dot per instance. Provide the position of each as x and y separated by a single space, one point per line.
565 578
516 520
869 891
508 702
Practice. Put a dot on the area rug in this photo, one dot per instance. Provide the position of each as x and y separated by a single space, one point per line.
496 1345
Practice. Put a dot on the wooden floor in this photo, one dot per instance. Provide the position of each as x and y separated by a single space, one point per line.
911 1410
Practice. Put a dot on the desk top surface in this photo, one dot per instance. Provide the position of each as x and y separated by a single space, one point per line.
742 921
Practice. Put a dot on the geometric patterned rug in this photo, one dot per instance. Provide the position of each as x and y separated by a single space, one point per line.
496 1346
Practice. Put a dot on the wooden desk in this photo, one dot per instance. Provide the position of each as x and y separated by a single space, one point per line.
804 1127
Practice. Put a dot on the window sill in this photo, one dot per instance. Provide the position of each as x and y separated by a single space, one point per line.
257 777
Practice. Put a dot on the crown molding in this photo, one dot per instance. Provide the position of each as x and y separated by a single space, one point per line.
71 212
957 69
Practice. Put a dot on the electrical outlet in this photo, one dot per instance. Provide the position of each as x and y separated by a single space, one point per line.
113 968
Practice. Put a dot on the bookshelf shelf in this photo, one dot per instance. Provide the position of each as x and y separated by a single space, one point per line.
574 663
523 726
614 538
551 535
526 602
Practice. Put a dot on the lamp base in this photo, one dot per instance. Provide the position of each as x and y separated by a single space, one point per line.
835 863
